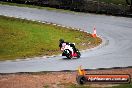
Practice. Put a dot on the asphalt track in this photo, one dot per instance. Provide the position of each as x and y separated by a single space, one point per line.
115 51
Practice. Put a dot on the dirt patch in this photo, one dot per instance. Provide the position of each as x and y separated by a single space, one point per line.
53 79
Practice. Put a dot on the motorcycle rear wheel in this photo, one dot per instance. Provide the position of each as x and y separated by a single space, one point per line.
78 54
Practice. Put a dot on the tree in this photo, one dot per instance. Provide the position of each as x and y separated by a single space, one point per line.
129 2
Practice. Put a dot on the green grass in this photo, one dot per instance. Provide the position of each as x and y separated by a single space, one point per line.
123 86
22 38
89 86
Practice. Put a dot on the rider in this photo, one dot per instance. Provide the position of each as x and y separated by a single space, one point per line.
61 41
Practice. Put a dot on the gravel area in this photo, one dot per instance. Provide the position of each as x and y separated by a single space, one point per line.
53 79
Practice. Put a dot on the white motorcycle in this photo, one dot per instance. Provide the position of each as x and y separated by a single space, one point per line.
69 52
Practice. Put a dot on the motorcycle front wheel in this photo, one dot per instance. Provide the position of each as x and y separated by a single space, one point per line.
69 56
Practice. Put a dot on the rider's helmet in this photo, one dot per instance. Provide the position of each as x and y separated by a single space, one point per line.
61 41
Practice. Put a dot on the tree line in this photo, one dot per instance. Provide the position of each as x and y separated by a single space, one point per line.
80 5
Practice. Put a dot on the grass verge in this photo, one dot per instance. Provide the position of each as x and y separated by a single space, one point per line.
22 38
123 86
34 6
99 86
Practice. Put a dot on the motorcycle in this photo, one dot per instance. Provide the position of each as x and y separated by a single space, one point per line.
67 51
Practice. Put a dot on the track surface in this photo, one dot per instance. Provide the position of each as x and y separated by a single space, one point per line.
116 50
